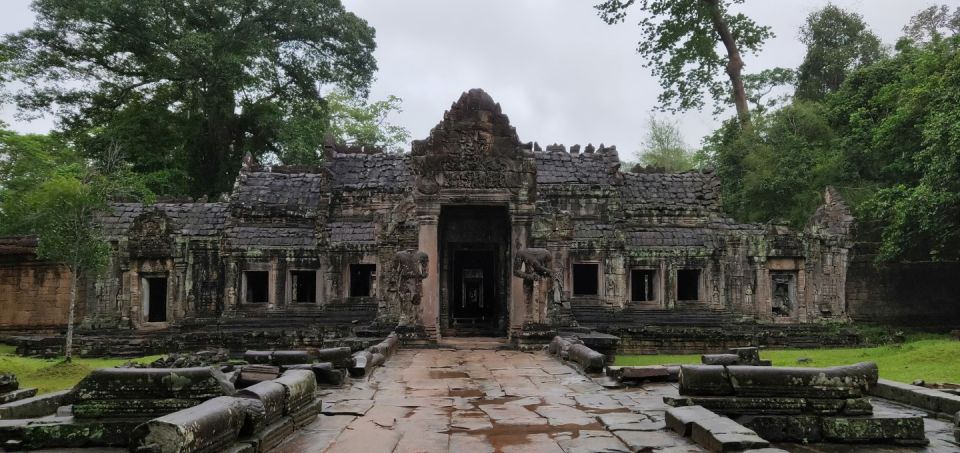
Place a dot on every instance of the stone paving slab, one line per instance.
(491, 400)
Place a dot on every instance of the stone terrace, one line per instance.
(492, 400)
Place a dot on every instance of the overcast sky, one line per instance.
(558, 71)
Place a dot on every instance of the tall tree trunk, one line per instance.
(68, 348)
(734, 61)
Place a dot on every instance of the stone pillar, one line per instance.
(430, 301)
(519, 311)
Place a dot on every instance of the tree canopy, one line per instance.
(838, 42)
(680, 41)
(663, 147)
(185, 88)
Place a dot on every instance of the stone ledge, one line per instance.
(942, 404)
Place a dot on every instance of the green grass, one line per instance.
(931, 358)
(50, 375)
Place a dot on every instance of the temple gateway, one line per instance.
(472, 232)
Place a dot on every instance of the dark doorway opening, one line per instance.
(474, 300)
(157, 302)
(688, 284)
(474, 250)
(642, 283)
(361, 279)
(257, 287)
(303, 287)
(586, 279)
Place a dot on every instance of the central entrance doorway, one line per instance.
(474, 260)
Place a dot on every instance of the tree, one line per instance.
(663, 147)
(837, 42)
(47, 190)
(899, 119)
(349, 119)
(187, 87)
(680, 40)
(933, 23)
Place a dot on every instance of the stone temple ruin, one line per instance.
(472, 232)
(301, 285)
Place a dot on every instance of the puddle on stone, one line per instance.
(446, 374)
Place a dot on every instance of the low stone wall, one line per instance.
(34, 296)
(697, 340)
(921, 295)
(137, 344)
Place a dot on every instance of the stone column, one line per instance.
(430, 301)
(519, 313)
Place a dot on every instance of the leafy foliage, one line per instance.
(887, 138)
(184, 88)
(681, 41)
(663, 147)
(932, 24)
(837, 42)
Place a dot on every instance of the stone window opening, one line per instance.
(154, 290)
(303, 287)
(256, 287)
(688, 284)
(362, 279)
(643, 285)
(586, 279)
(783, 289)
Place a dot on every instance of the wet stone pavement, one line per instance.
(484, 400)
(445, 400)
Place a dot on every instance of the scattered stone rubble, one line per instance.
(797, 404)
(224, 407)
(10, 390)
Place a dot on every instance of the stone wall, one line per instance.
(920, 294)
(33, 296)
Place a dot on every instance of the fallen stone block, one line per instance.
(290, 357)
(736, 405)
(921, 397)
(269, 436)
(340, 357)
(305, 415)
(377, 359)
(36, 406)
(65, 432)
(720, 359)
(680, 419)
(324, 372)
(253, 374)
(258, 357)
(213, 425)
(8, 382)
(362, 364)
(851, 381)
(588, 359)
(133, 383)
(301, 389)
(901, 430)
(146, 392)
(17, 395)
(386, 347)
(705, 380)
(722, 434)
(560, 346)
(273, 395)
(640, 373)
(747, 355)
(784, 428)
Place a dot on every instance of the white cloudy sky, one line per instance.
(559, 72)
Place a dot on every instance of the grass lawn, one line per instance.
(931, 358)
(50, 375)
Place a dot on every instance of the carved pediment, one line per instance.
(151, 236)
(473, 147)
